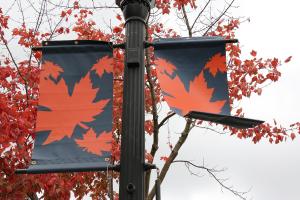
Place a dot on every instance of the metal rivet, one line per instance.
(46, 43)
(33, 162)
(130, 188)
(106, 159)
(75, 42)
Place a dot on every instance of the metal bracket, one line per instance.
(121, 46)
(148, 166)
(148, 44)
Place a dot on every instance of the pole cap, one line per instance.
(121, 3)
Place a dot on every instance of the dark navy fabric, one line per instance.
(190, 59)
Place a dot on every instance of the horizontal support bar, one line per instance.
(73, 47)
(70, 44)
(74, 42)
(121, 46)
(236, 122)
(41, 48)
(185, 42)
(37, 170)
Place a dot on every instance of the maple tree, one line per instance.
(19, 88)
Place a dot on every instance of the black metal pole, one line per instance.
(132, 167)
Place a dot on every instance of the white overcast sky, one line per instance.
(270, 171)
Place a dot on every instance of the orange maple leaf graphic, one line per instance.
(49, 68)
(104, 64)
(96, 145)
(197, 98)
(216, 63)
(66, 111)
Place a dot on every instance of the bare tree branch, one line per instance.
(173, 155)
(186, 20)
(84, 7)
(154, 147)
(211, 129)
(32, 196)
(200, 13)
(212, 172)
(166, 119)
(10, 7)
(218, 18)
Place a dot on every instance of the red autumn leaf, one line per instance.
(119, 17)
(104, 64)
(293, 135)
(288, 59)
(275, 62)
(149, 126)
(63, 14)
(198, 95)
(76, 5)
(96, 145)
(148, 157)
(117, 29)
(164, 158)
(253, 53)
(259, 91)
(239, 111)
(216, 63)
(66, 111)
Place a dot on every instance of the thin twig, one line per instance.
(166, 119)
(83, 7)
(220, 16)
(212, 172)
(186, 20)
(200, 13)
(188, 127)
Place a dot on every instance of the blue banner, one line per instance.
(192, 74)
(74, 118)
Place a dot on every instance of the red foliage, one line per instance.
(164, 158)
(28, 37)
(149, 127)
(165, 5)
(250, 76)
(3, 19)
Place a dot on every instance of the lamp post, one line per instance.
(132, 168)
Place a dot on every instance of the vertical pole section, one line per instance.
(132, 169)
